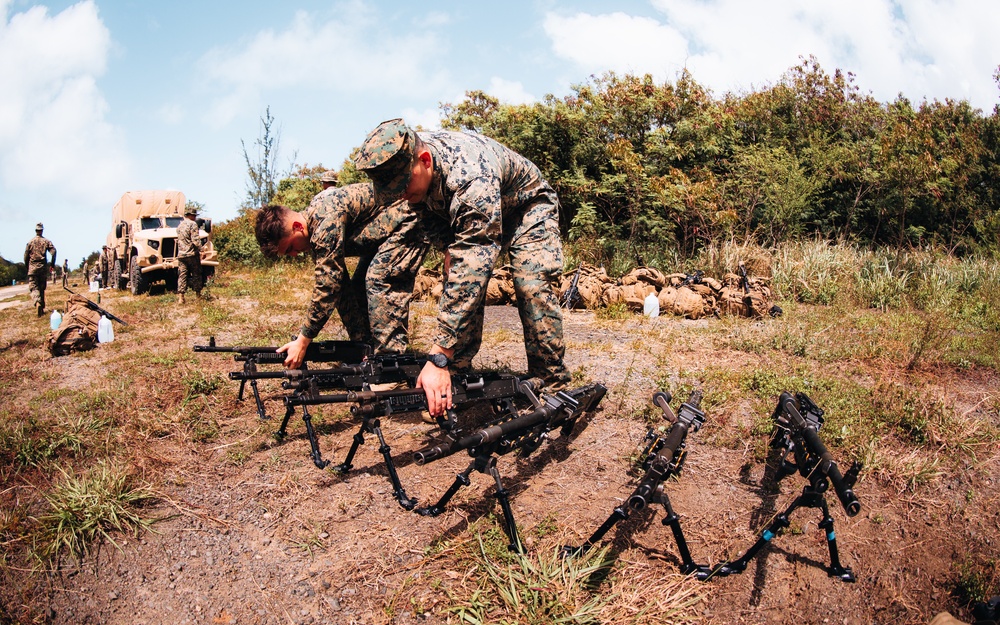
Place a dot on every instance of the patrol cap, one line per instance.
(328, 176)
(39, 227)
(386, 156)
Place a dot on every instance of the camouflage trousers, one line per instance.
(36, 286)
(536, 260)
(189, 273)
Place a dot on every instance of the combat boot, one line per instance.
(180, 298)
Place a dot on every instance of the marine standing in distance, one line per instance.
(65, 273)
(38, 267)
(188, 254)
(341, 222)
(476, 199)
(105, 265)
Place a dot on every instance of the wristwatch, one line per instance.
(440, 361)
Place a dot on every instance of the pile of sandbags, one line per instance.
(692, 296)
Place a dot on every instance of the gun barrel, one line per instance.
(579, 400)
(829, 468)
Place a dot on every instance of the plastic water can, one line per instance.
(651, 306)
(55, 320)
(105, 333)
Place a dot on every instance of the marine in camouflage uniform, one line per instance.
(483, 200)
(38, 267)
(188, 256)
(374, 304)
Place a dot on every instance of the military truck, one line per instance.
(142, 243)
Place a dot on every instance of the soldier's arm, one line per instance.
(330, 280)
(52, 249)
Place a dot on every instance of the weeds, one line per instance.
(89, 508)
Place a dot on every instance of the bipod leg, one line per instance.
(359, 440)
(261, 412)
(283, 429)
(843, 573)
(503, 496)
(462, 479)
(397, 488)
(239, 395)
(688, 566)
(316, 455)
(618, 514)
(779, 523)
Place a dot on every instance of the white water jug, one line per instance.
(105, 333)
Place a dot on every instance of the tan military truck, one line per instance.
(143, 241)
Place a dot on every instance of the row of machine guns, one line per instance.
(520, 419)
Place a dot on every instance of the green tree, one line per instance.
(262, 171)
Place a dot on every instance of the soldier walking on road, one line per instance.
(188, 254)
(38, 266)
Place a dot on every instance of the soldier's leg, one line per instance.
(41, 295)
(182, 276)
(389, 288)
(536, 258)
(194, 275)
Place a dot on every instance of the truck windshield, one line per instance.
(173, 222)
(149, 223)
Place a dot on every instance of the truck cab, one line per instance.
(143, 240)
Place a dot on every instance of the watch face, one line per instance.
(439, 360)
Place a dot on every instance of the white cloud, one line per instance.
(933, 49)
(54, 133)
(355, 54)
(509, 92)
(618, 42)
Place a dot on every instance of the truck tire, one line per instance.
(136, 281)
(116, 275)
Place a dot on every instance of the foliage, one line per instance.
(298, 189)
(12, 271)
(235, 241)
(668, 164)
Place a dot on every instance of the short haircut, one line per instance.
(270, 228)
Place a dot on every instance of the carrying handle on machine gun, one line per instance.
(809, 431)
(91, 305)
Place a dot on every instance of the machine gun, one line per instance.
(91, 305)
(572, 294)
(797, 421)
(523, 433)
(499, 390)
(774, 311)
(662, 458)
(251, 357)
(692, 278)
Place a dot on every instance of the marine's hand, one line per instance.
(436, 382)
(295, 352)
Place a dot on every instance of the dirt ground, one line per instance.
(266, 537)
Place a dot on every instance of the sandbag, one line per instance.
(425, 282)
(689, 304)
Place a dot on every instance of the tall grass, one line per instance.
(88, 508)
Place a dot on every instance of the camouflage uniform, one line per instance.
(38, 268)
(188, 256)
(105, 266)
(374, 305)
(65, 273)
(485, 200)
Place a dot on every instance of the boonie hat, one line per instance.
(190, 210)
(328, 176)
(386, 156)
(39, 226)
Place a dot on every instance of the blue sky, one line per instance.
(100, 97)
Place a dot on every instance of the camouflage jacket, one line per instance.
(34, 253)
(345, 221)
(188, 239)
(478, 195)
